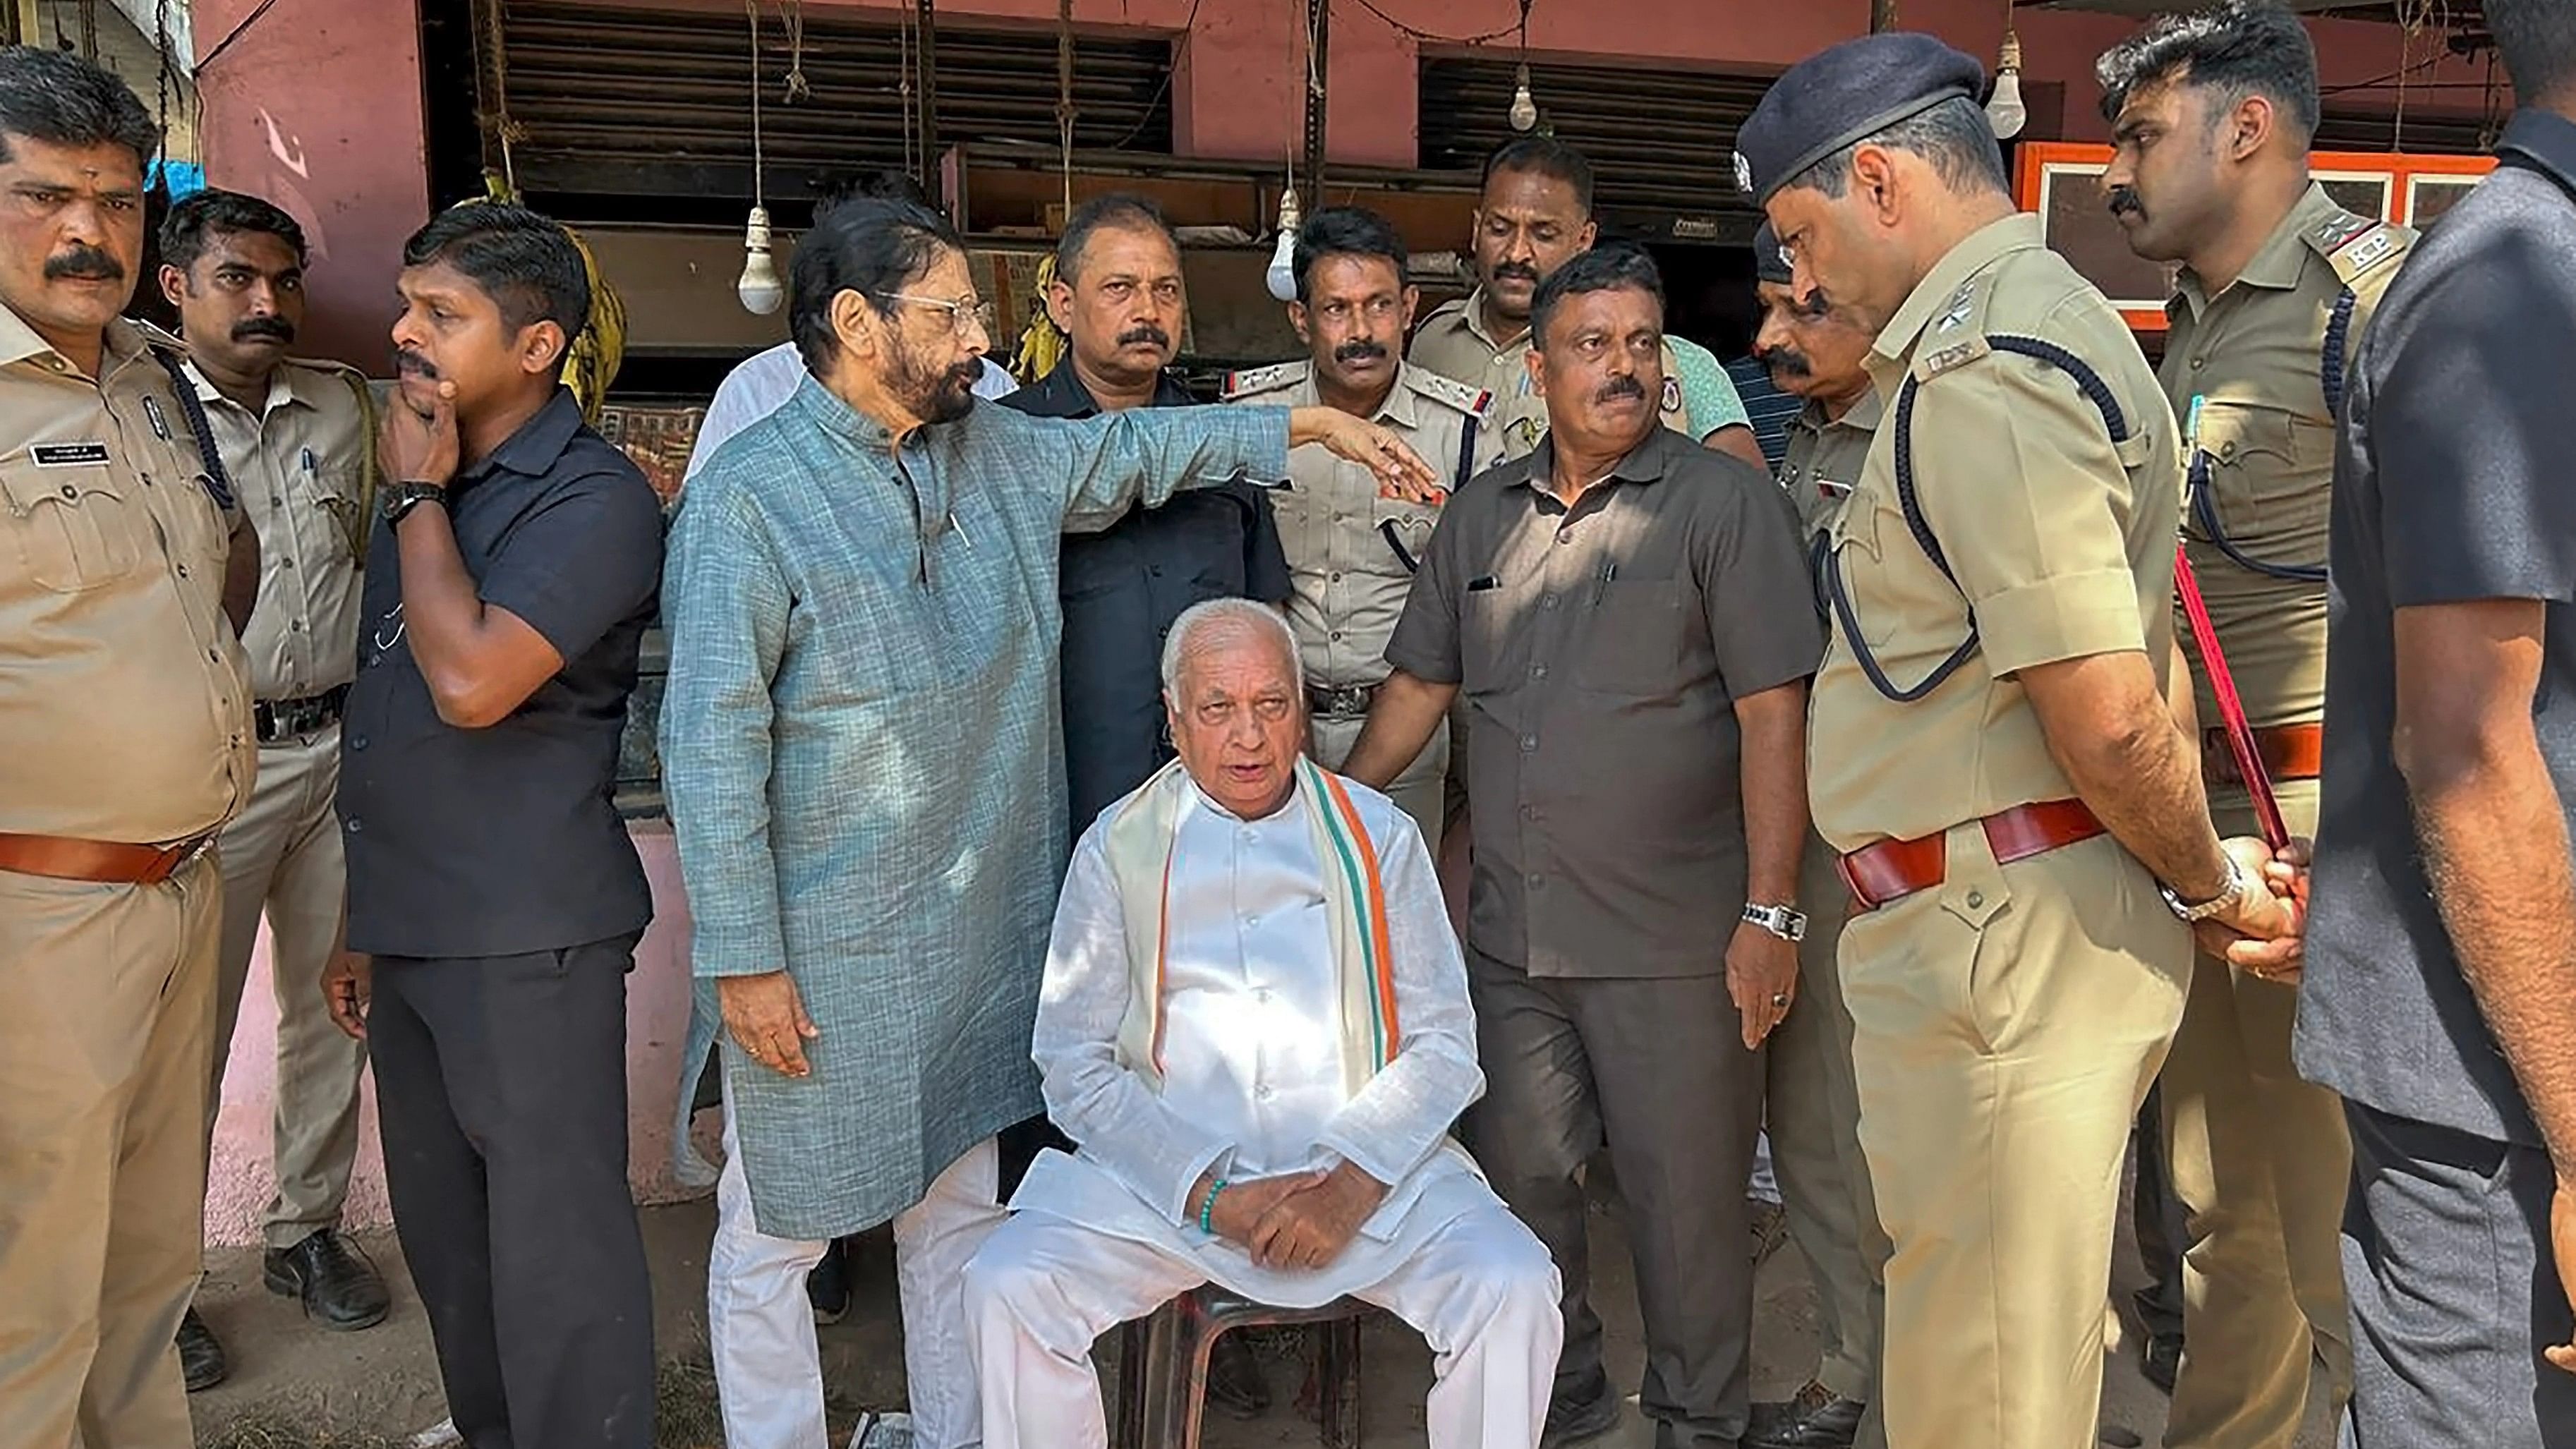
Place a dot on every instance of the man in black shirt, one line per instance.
(507, 592)
(2440, 995)
(1118, 295)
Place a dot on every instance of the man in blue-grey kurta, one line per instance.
(860, 744)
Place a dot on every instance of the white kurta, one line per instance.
(1252, 1070)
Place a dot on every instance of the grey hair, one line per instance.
(1209, 612)
(1954, 136)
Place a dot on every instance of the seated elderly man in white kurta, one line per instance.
(1255, 1024)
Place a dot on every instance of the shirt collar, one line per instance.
(122, 342)
(1060, 394)
(1862, 416)
(1296, 787)
(2545, 139)
(533, 450)
(1645, 463)
(825, 407)
(282, 389)
(1399, 405)
(2279, 262)
(1981, 249)
(1472, 312)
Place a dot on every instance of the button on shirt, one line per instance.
(2452, 486)
(1123, 586)
(299, 466)
(1351, 553)
(499, 841)
(1601, 649)
(2246, 373)
(124, 707)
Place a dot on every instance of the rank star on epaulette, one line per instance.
(1962, 302)
(2337, 230)
(1947, 358)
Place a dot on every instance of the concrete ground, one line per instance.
(295, 1386)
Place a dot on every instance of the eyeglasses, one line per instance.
(959, 309)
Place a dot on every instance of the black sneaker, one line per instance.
(2162, 1360)
(201, 1358)
(340, 1288)
(828, 1286)
(1817, 1418)
(1585, 1414)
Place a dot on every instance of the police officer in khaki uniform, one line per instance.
(1352, 554)
(1994, 749)
(1533, 213)
(2212, 113)
(1815, 352)
(298, 444)
(125, 721)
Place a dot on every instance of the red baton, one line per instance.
(2231, 706)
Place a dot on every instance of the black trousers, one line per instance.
(2454, 1291)
(501, 1087)
(2156, 1215)
(1655, 1070)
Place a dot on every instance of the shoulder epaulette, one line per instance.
(1254, 381)
(331, 365)
(2353, 244)
(1449, 391)
(153, 336)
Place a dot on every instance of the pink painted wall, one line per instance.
(317, 107)
(657, 1022)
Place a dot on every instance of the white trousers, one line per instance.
(1482, 1292)
(760, 1326)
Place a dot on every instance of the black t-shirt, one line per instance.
(502, 841)
(1122, 589)
(2456, 481)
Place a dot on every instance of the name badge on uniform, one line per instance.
(69, 455)
(160, 420)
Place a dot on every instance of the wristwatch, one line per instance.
(402, 498)
(1786, 922)
(2238, 886)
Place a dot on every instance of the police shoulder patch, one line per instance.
(154, 337)
(1253, 382)
(2358, 247)
(1939, 356)
(1449, 391)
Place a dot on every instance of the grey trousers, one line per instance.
(2454, 1291)
(1655, 1070)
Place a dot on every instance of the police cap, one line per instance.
(1770, 264)
(1844, 94)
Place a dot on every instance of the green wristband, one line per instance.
(1207, 1208)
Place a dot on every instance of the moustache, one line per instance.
(1147, 333)
(1619, 387)
(408, 363)
(1362, 350)
(84, 262)
(1786, 359)
(1522, 271)
(965, 374)
(275, 328)
(2124, 199)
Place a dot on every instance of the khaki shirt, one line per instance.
(1821, 465)
(300, 466)
(1352, 555)
(2062, 541)
(2246, 372)
(124, 712)
(1601, 649)
(1453, 343)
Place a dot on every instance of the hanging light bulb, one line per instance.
(2004, 109)
(1524, 112)
(1282, 276)
(758, 289)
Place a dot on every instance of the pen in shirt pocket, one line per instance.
(1488, 581)
(1601, 583)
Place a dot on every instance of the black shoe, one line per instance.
(1236, 1386)
(201, 1358)
(828, 1286)
(1818, 1418)
(340, 1288)
(2162, 1361)
(1586, 1414)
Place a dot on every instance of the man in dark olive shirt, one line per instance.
(489, 877)
(1118, 296)
(2440, 994)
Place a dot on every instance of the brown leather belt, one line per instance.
(2288, 752)
(103, 861)
(1894, 869)
(1347, 702)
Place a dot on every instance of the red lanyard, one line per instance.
(2231, 707)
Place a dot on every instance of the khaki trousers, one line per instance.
(1418, 792)
(107, 1016)
(1813, 1110)
(2262, 1163)
(2006, 1026)
(282, 856)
